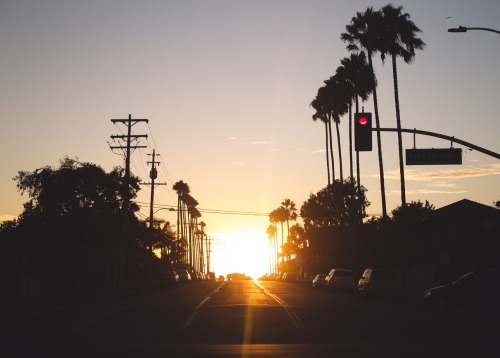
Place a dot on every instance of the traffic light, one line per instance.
(363, 132)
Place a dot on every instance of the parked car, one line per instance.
(319, 280)
(380, 282)
(478, 289)
(290, 277)
(340, 279)
(169, 278)
(184, 276)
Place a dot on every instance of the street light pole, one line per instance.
(464, 29)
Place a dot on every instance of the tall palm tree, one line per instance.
(319, 105)
(339, 95)
(273, 219)
(355, 71)
(191, 213)
(399, 39)
(291, 213)
(364, 32)
(281, 215)
(271, 234)
(181, 188)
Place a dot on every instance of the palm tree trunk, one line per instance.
(340, 152)
(400, 141)
(331, 146)
(327, 160)
(351, 174)
(379, 141)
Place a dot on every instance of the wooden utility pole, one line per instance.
(153, 174)
(126, 190)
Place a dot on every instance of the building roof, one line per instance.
(467, 209)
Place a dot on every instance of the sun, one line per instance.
(242, 251)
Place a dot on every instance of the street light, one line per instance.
(464, 29)
(169, 209)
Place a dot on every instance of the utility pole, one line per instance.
(153, 174)
(126, 190)
(209, 242)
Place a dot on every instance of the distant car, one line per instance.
(380, 282)
(184, 276)
(340, 279)
(169, 278)
(290, 277)
(478, 289)
(319, 280)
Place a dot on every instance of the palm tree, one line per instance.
(181, 188)
(282, 215)
(192, 213)
(271, 234)
(318, 104)
(291, 213)
(399, 39)
(273, 219)
(339, 97)
(355, 71)
(364, 31)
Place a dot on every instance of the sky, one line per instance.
(226, 87)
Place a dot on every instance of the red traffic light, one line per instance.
(363, 121)
(363, 132)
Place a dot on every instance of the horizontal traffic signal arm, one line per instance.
(442, 136)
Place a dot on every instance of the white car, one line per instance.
(340, 279)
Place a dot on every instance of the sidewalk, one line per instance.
(59, 300)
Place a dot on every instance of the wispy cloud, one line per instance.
(444, 184)
(428, 175)
(252, 141)
(435, 191)
(317, 151)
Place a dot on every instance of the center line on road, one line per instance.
(195, 312)
(293, 317)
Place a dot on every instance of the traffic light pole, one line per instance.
(442, 136)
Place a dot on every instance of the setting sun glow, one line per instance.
(243, 252)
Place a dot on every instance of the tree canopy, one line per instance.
(337, 205)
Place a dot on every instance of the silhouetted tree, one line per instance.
(399, 39)
(340, 205)
(415, 213)
(364, 32)
(69, 231)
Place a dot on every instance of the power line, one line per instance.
(210, 211)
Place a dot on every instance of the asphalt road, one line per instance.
(246, 319)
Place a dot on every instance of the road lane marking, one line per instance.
(195, 311)
(102, 317)
(291, 315)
